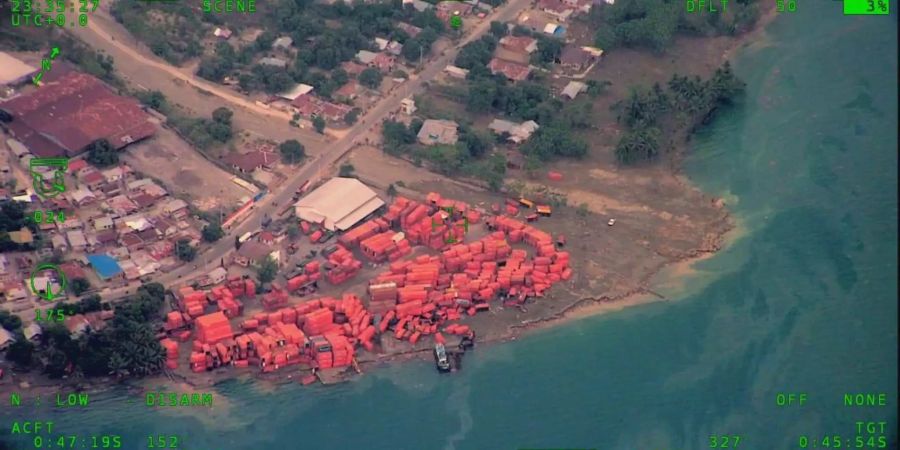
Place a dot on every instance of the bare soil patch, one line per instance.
(184, 171)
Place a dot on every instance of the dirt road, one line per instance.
(196, 96)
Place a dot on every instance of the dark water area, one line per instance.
(803, 301)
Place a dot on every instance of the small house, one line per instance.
(434, 132)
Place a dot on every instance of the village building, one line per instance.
(338, 204)
(82, 196)
(353, 68)
(254, 253)
(434, 132)
(456, 72)
(575, 58)
(6, 339)
(248, 162)
(283, 43)
(222, 33)
(518, 132)
(408, 105)
(516, 48)
(76, 239)
(174, 206)
(573, 89)
(410, 30)
(511, 70)
(32, 332)
(556, 8)
(348, 91)
(383, 62)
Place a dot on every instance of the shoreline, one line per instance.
(583, 307)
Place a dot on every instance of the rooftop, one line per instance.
(65, 116)
(248, 162)
(513, 71)
(105, 265)
(519, 43)
(438, 132)
(13, 70)
(338, 204)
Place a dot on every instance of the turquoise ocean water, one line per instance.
(804, 301)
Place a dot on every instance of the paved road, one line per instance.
(314, 170)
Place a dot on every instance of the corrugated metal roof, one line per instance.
(338, 202)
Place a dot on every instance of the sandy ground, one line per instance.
(184, 171)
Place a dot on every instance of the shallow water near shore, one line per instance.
(803, 301)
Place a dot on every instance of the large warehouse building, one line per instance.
(69, 112)
(338, 204)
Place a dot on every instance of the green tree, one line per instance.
(79, 285)
(102, 154)
(9, 321)
(222, 115)
(319, 124)
(548, 50)
(370, 78)
(267, 270)
(292, 230)
(292, 151)
(498, 29)
(351, 117)
(20, 352)
(184, 250)
(639, 145)
(212, 232)
(346, 170)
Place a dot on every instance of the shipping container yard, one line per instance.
(430, 268)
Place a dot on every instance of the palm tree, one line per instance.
(118, 367)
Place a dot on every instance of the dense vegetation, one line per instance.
(685, 104)
(467, 156)
(126, 346)
(102, 154)
(324, 36)
(292, 151)
(173, 31)
(203, 133)
(653, 23)
(13, 217)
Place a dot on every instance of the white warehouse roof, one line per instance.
(338, 204)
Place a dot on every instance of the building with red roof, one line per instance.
(64, 116)
(511, 70)
(248, 162)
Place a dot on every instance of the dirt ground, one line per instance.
(184, 171)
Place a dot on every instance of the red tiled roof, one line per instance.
(348, 89)
(93, 177)
(511, 70)
(352, 68)
(72, 270)
(74, 111)
(383, 61)
(249, 162)
(143, 200)
(574, 56)
(76, 165)
(309, 105)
